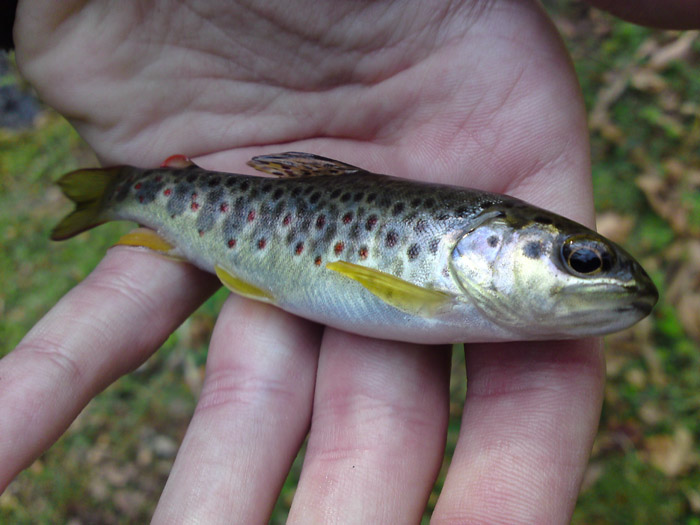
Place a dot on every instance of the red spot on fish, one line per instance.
(137, 186)
(347, 218)
(194, 206)
(287, 219)
(371, 222)
(317, 260)
(251, 215)
(167, 192)
(223, 208)
(299, 248)
(364, 252)
(339, 247)
(261, 243)
(231, 243)
(321, 221)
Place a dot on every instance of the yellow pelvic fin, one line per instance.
(400, 294)
(147, 238)
(295, 164)
(241, 287)
(86, 188)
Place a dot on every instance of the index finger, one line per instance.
(528, 425)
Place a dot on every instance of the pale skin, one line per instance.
(476, 94)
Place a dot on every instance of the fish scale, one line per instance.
(370, 253)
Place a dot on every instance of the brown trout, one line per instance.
(373, 254)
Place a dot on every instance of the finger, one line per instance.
(251, 418)
(378, 432)
(527, 429)
(106, 326)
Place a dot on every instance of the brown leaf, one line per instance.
(614, 226)
(672, 455)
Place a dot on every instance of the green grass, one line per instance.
(111, 465)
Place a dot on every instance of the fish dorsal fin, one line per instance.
(241, 287)
(405, 296)
(177, 162)
(295, 164)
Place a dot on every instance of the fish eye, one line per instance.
(586, 256)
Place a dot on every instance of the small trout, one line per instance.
(373, 254)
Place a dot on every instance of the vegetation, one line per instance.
(642, 89)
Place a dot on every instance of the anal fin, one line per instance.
(296, 164)
(405, 296)
(241, 287)
(147, 238)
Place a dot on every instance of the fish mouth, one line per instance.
(636, 296)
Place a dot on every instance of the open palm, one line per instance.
(474, 93)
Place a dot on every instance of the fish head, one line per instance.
(542, 276)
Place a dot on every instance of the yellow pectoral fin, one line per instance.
(241, 287)
(398, 293)
(148, 239)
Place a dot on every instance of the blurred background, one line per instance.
(642, 91)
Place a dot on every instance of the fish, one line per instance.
(372, 254)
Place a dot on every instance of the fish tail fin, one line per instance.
(86, 188)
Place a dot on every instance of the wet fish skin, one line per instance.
(282, 237)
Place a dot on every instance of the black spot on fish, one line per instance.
(421, 226)
(413, 252)
(330, 233)
(245, 185)
(429, 203)
(191, 178)
(492, 241)
(296, 191)
(443, 216)
(345, 197)
(266, 187)
(391, 239)
(308, 190)
(398, 208)
(462, 211)
(314, 198)
(358, 196)
(335, 194)
(486, 204)
(433, 245)
(543, 220)
(230, 182)
(278, 193)
(214, 182)
(415, 203)
(533, 250)
(371, 198)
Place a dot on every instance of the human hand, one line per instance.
(478, 94)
